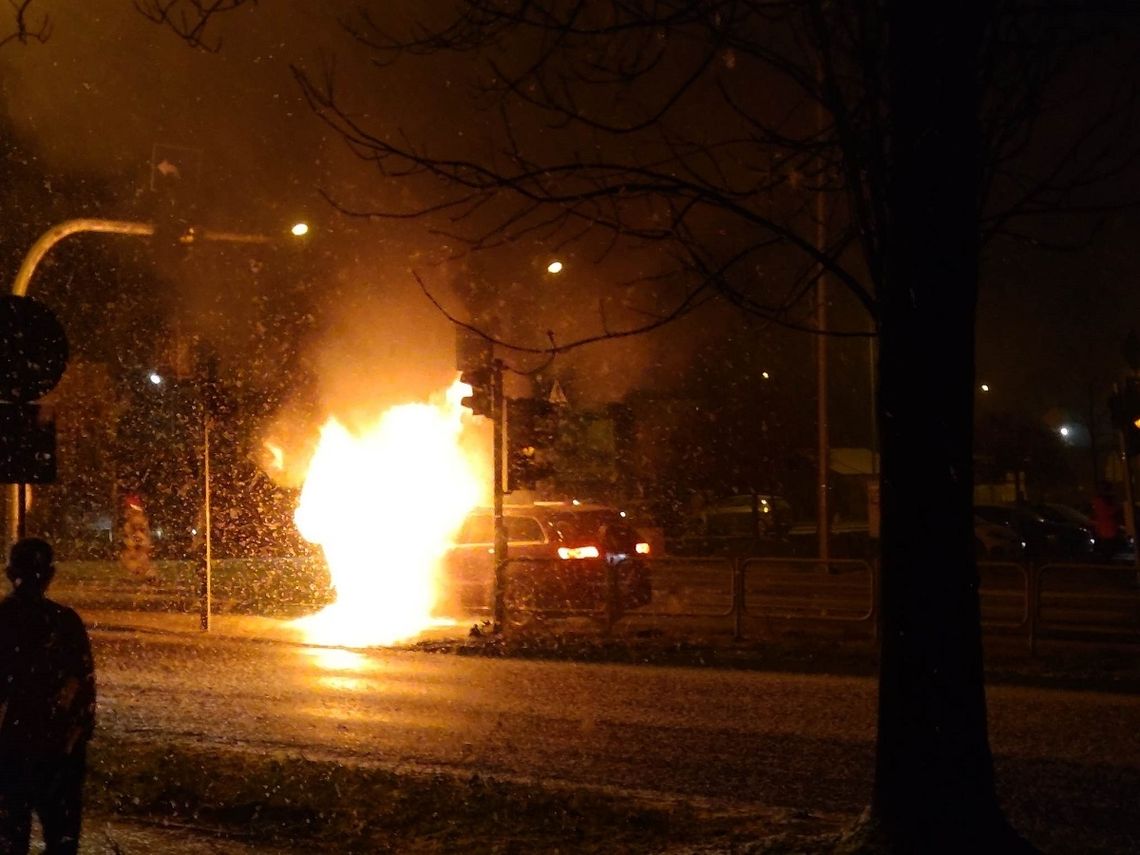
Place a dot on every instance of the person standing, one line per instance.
(47, 707)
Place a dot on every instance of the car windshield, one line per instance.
(1062, 514)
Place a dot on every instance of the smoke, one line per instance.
(109, 86)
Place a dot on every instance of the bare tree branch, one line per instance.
(190, 19)
(25, 29)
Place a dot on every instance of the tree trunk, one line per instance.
(934, 787)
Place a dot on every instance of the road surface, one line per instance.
(1067, 760)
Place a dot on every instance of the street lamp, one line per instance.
(554, 267)
(155, 378)
(43, 244)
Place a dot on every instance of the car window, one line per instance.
(584, 525)
(523, 530)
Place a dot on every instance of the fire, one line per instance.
(276, 455)
(384, 503)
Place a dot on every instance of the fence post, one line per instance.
(876, 612)
(737, 599)
(612, 606)
(1033, 602)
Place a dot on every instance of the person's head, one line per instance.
(31, 565)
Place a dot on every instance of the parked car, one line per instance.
(1121, 548)
(559, 553)
(1046, 537)
(747, 516)
(995, 542)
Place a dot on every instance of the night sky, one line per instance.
(92, 102)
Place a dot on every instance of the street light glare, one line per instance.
(1065, 430)
(985, 387)
(300, 229)
(155, 378)
(554, 267)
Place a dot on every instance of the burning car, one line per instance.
(559, 558)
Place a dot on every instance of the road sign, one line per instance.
(33, 349)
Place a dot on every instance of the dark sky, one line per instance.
(109, 85)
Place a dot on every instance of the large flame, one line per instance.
(384, 504)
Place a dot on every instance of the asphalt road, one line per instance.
(1068, 761)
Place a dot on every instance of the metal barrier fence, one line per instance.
(747, 596)
(1084, 602)
(1089, 602)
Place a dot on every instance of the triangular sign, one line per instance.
(557, 396)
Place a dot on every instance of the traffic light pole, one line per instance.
(498, 415)
(205, 578)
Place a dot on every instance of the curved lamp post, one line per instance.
(44, 244)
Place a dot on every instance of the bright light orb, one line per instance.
(1065, 431)
(985, 387)
(300, 229)
(155, 378)
(554, 267)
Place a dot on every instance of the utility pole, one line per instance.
(498, 416)
(823, 472)
(205, 578)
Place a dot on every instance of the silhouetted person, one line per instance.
(47, 707)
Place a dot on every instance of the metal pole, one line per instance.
(206, 581)
(824, 441)
(874, 406)
(823, 526)
(21, 511)
(498, 412)
(1129, 509)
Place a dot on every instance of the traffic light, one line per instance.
(1124, 405)
(532, 429)
(479, 401)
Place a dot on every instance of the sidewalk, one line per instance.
(107, 836)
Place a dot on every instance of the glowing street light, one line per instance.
(299, 229)
(1065, 431)
(554, 267)
(985, 387)
(155, 378)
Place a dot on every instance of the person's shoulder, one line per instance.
(64, 614)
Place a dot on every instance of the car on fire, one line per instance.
(559, 554)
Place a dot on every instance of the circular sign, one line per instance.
(33, 349)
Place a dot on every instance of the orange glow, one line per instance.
(642, 548)
(277, 456)
(384, 503)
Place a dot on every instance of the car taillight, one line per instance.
(569, 552)
(642, 549)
